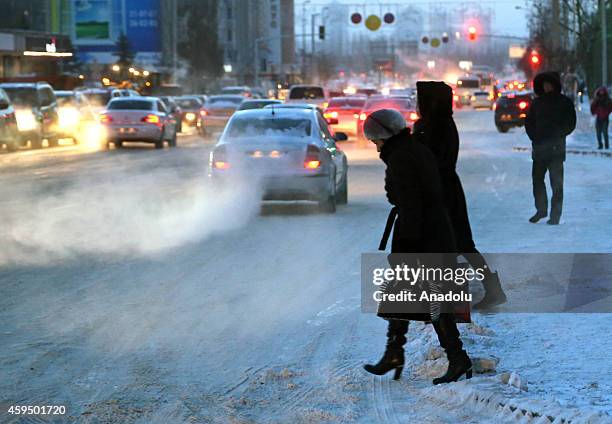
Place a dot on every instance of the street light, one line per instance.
(146, 73)
(131, 70)
(116, 68)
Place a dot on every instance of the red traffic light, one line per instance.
(472, 33)
(534, 59)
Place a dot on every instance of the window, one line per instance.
(161, 107)
(229, 35)
(254, 127)
(312, 92)
(327, 135)
(130, 105)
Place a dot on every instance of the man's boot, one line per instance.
(393, 358)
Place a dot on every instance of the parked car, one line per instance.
(291, 152)
(511, 109)
(248, 104)
(36, 112)
(9, 133)
(217, 111)
(174, 110)
(190, 108)
(144, 119)
(401, 103)
(342, 113)
(313, 94)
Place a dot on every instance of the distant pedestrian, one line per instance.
(601, 107)
(550, 119)
(420, 226)
(437, 130)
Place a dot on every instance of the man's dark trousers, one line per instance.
(555, 174)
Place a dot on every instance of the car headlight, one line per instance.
(190, 116)
(69, 117)
(26, 121)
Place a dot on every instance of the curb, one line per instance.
(602, 153)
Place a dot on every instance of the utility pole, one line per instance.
(604, 44)
(312, 43)
(555, 33)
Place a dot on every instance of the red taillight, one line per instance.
(203, 112)
(523, 105)
(105, 119)
(363, 116)
(151, 119)
(219, 164)
(312, 160)
(219, 158)
(312, 164)
(413, 116)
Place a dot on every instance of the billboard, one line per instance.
(142, 25)
(92, 20)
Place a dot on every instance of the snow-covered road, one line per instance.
(132, 292)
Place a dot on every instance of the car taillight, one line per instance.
(203, 112)
(218, 158)
(151, 119)
(363, 116)
(105, 119)
(494, 106)
(413, 116)
(332, 115)
(523, 105)
(356, 115)
(312, 160)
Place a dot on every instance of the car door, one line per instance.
(169, 124)
(330, 144)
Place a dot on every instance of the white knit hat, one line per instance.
(383, 124)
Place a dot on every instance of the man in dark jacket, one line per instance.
(550, 119)
(420, 225)
(437, 130)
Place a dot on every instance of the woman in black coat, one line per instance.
(436, 129)
(420, 225)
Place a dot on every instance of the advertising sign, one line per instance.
(92, 20)
(142, 25)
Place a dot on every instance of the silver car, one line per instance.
(142, 119)
(291, 152)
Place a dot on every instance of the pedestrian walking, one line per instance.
(550, 119)
(601, 107)
(420, 225)
(437, 130)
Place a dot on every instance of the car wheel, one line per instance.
(52, 142)
(328, 203)
(36, 142)
(118, 144)
(502, 128)
(342, 196)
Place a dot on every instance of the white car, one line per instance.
(143, 119)
(312, 94)
(482, 99)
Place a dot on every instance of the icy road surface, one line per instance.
(133, 292)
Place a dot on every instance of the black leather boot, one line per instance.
(494, 294)
(393, 358)
(537, 217)
(459, 363)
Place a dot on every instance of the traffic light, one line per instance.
(321, 32)
(534, 59)
(472, 33)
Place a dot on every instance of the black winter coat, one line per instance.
(551, 118)
(436, 129)
(422, 225)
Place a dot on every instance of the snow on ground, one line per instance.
(261, 323)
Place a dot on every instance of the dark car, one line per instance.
(190, 108)
(174, 110)
(342, 113)
(36, 112)
(511, 110)
(9, 134)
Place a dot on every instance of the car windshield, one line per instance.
(306, 93)
(400, 104)
(98, 99)
(188, 103)
(468, 83)
(22, 96)
(254, 127)
(130, 105)
(356, 103)
(224, 101)
(233, 90)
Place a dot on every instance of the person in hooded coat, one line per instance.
(436, 129)
(550, 118)
(601, 108)
(420, 225)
